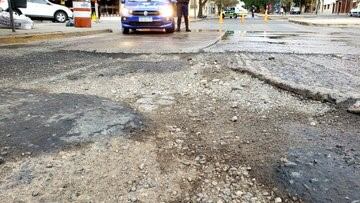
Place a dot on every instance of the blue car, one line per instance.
(147, 14)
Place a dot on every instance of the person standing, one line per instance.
(182, 10)
(252, 11)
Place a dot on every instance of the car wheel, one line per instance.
(60, 16)
(126, 30)
(235, 16)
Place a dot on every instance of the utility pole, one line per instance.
(12, 24)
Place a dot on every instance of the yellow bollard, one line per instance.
(266, 16)
(242, 18)
(93, 17)
(221, 19)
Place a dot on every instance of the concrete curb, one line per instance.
(285, 17)
(26, 38)
(323, 24)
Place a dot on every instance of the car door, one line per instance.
(38, 8)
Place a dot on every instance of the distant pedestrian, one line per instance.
(252, 11)
(282, 10)
(182, 10)
(99, 8)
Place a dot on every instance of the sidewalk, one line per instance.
(333, 22)
(50, 30)
(287, 16)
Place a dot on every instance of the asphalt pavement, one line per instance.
(231, 112)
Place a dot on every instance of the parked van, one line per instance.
(295, 10)
(234, 12)
(147, 14)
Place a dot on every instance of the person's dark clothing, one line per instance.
(182, 9)
(183, 2)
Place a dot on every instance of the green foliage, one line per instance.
(257, 3)
(226, 3)
(286, 3)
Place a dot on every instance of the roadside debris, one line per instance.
(234, 119)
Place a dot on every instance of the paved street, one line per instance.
(233, 112)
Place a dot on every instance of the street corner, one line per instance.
(34, 122)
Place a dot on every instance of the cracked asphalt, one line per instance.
(252, 112)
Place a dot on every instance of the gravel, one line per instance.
(193, 148)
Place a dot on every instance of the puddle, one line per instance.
(227, 35)
(263, 34)
(276, 42)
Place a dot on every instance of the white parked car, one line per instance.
(42, 9)
(355, 11)
(295, 10)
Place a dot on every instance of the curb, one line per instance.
(285, 17)
(26, 38)
(321, 24)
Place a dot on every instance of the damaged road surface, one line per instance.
(33, 122)
(208, 123)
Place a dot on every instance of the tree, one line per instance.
(226, 3)
(286, 4)
(256, 3)
(201, 6)
(219, 3)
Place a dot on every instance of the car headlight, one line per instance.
(126, 12)
(166, 11)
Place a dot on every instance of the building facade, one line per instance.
(328, 7)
